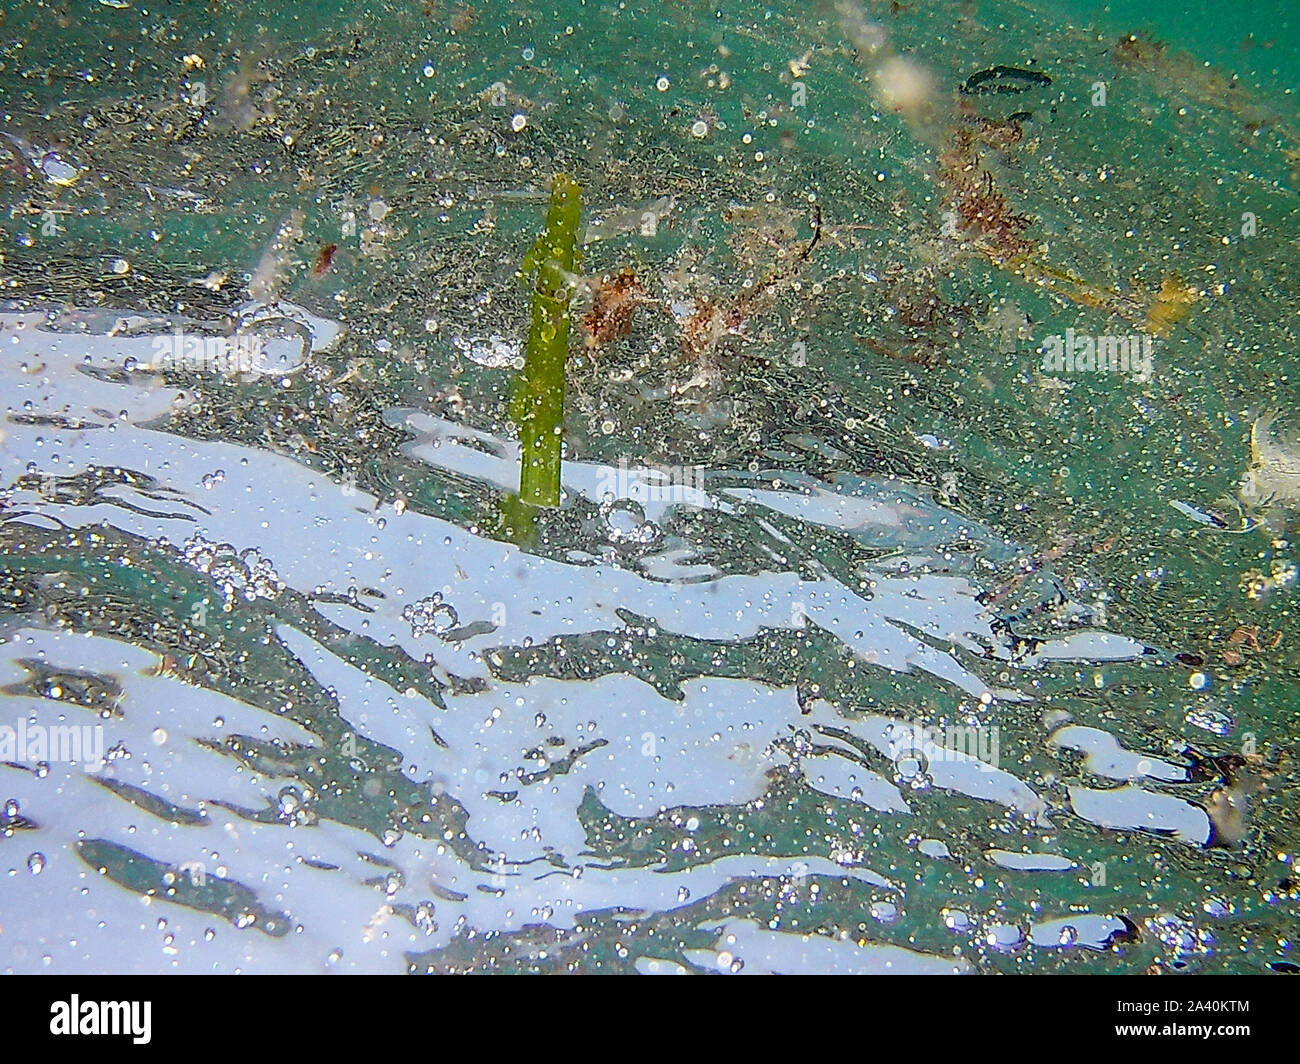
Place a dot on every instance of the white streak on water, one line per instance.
(1135, 808)
(1106, 757)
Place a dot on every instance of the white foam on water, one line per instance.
(644, 752)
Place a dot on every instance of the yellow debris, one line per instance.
(1173, 303)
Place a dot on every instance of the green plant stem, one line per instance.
(537, 404)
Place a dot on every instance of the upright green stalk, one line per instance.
(537, 405)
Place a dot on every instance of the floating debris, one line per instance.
(47, 163)
(1258, 585)
(272, 269)
(905, 87)
(495, 352)
(324, 260)
(1172, 304)
(1202, 517)
(644, 220)
(1230, 807)
(1271, 486)
(613, 303)
(1004, 79)
(980, 208)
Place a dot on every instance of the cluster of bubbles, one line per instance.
(1210, 719)
(625, 523)
(431, 615)
(1180, 937)
(495, 352)
(11, 818)
(238, 574)
(293, 808)
(911, 767)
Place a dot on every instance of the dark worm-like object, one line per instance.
(1003, 79)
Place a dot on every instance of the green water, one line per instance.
(420, 139)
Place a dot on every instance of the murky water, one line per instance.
(867, 637)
